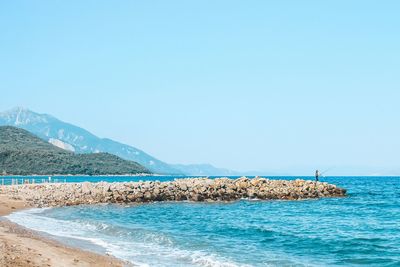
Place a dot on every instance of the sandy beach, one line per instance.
(22, 247)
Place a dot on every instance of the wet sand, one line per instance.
(22, 247)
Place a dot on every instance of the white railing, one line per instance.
(39, 180)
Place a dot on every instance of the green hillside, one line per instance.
(22, 153)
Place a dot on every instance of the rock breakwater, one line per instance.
(189, 189)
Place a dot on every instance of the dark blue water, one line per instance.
(361, 229)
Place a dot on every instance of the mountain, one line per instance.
(204, 169)
(76, 139)
(22, 153)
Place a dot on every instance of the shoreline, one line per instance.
(23, 247)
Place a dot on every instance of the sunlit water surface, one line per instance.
(361, 229)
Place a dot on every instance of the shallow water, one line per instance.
(361, 229)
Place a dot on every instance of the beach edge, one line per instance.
(23, 247)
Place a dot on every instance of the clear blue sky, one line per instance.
(247, 85)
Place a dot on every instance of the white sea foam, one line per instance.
(143, 249)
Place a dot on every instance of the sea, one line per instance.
(362, 229)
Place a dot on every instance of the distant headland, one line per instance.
(22, 153)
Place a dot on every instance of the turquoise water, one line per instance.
(361, 229)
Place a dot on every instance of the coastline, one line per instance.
(21, 247)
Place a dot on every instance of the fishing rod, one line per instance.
(322, 173)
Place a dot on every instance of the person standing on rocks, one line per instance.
(317, 175)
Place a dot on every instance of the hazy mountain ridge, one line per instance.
(204, 169)
(51, 129)
(22, 153)
(76, 139)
